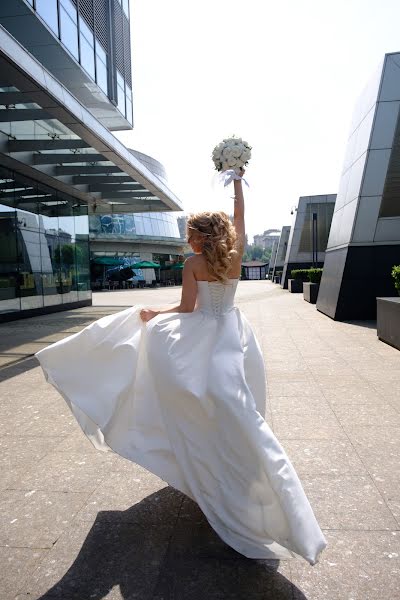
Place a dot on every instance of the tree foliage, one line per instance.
(254, 252)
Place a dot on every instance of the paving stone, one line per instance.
(125, 497)
(313, 406)
(36, 519)
(297, 389)
(65, 472)
(16, 567)
(323, 457)
(302, 426)
(231, 579)
(17, 454)
(76, 442)
(380, 414)
(347, 502)
(106, 559)
(355, 566)
(351, 396)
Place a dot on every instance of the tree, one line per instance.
(256, 252)
(67, 255)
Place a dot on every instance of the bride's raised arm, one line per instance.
(238, 214)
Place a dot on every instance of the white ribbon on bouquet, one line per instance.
(226, 177)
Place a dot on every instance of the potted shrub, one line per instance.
(396, 277)
(311, 287)
(388, 314)
(295, 284)
(277, 276)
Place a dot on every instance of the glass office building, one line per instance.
(364, 239)
(65, 84)
(81, 42)
(44, 246)
(308, 235)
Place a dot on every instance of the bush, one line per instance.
(301, 274)
(396, 277)
(314, 275)
(311, 275)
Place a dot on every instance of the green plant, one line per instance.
(396, 277)
(300, 274)
(314, 275)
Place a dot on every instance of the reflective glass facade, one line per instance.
(102, 51)
(44, 246)
(324, 212)
(140, 224)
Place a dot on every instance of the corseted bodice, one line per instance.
(216, 298)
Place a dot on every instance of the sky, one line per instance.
(284, 76)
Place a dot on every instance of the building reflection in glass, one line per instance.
(44, 246)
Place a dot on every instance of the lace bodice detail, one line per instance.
(216, 298)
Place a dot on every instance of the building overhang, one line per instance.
(48, 135)
(33, 33)
(134, 239)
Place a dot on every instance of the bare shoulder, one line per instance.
(191, 261)
(198, 264)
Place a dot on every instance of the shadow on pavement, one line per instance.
(16, 368)
(162, 548)
(21, 339)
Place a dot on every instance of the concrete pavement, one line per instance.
(79, 524)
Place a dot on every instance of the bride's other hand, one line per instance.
(146, 314)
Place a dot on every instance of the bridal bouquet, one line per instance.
(232, 153)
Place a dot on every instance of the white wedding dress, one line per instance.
(184, 396)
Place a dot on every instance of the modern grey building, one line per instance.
(364, 241)
(119, 238)
(308, 234)
(273, 257)
(65, 82)
(267, 239)
(281, 249)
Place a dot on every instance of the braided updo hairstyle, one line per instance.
(218, 237)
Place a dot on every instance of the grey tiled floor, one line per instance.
(79, 524)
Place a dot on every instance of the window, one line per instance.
(128, 99)
(101, 68)
(121, 93)
(147, 226)
(139, 224)
(125, 5)
(87, 48)
(47, 9)
(69, 28)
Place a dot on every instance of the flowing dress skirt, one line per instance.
(184, 397)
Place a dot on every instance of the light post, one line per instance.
(314, 225)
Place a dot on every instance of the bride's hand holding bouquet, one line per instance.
(230, 157)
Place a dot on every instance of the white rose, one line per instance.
(232, 162)
(245, 156)
(227, 151)
(236, 151)
(216, 155)
(225, 166)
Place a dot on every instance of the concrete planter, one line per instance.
(310, 292)
(295, 286)
(388, 321)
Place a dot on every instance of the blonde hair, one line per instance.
(218, 238)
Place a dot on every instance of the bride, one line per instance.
(181, 391)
